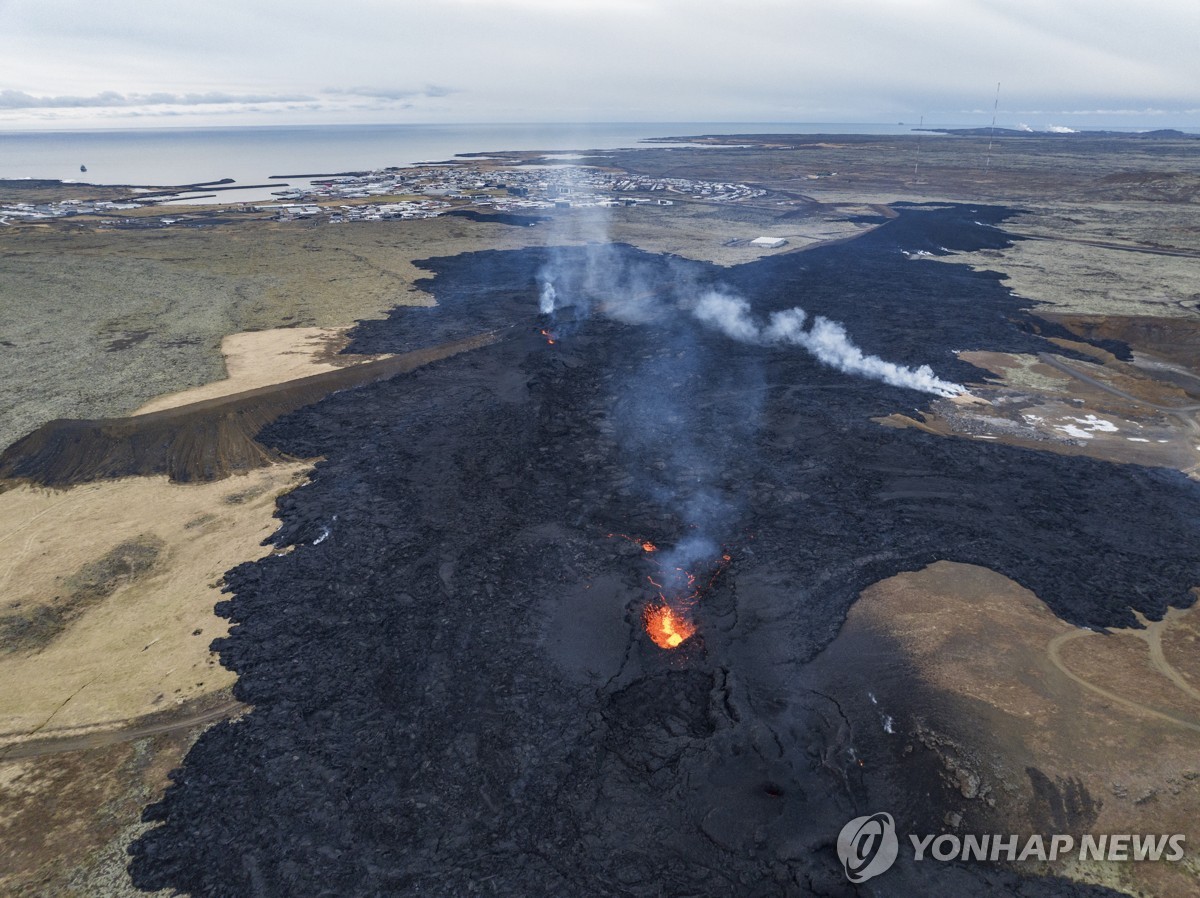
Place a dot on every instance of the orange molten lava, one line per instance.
(644, 544)
(666, 628)
(549, 336)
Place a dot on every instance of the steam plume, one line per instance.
(676, 448)
(547, 298)
(826, 340)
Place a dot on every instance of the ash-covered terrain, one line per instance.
(453, 690)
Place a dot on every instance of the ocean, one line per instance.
(251, 155)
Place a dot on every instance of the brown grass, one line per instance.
(204, 440)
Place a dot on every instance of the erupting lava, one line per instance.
(549, 336)
(645, 544)
(667, 619)
(665, 627)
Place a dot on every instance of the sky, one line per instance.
(162, 63)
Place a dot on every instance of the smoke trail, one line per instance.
(692, 553)
(580, 260)
(728, 314)
(826, 340)
(547, 298)
(676, 443)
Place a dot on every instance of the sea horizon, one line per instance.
(258, 155)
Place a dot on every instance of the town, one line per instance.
(433, 190)
(417, 192)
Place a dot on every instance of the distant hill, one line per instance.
(1161, 134)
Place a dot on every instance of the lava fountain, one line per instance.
(667, 618)
(666, 628)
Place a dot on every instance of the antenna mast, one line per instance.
(917, 161)
(992, 133)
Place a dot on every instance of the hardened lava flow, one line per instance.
(454, 691)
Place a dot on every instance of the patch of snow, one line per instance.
(1091, 422)
(1097, 424)
(1072, 431)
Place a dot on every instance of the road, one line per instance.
(1054, 650)
(1124, 247)
(56, 745)
(1184, 411)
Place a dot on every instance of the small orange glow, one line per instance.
(666, 628)
(549, 336)
(644, 544)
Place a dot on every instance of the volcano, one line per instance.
(454, 691)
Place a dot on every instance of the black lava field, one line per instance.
(452, 690)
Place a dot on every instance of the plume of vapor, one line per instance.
(692, 553)
(547, 297)
(826, 340)
(676, 450)
(728, 314)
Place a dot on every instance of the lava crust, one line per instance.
(452, 692)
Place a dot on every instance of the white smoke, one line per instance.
(826, 340)
(728, 314)
(547, 299)
(787, 326)
(581, 262)
(693, 553)
(829, 342)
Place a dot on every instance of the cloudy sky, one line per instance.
(129, 63)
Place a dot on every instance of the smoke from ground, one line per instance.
(826, 340)
(547, 298)
(678, 444)
(601, 279)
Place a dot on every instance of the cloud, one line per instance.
(391, 93)
(18, 99)
(608, 60)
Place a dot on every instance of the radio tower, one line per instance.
(992, 133)
(917, 161)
